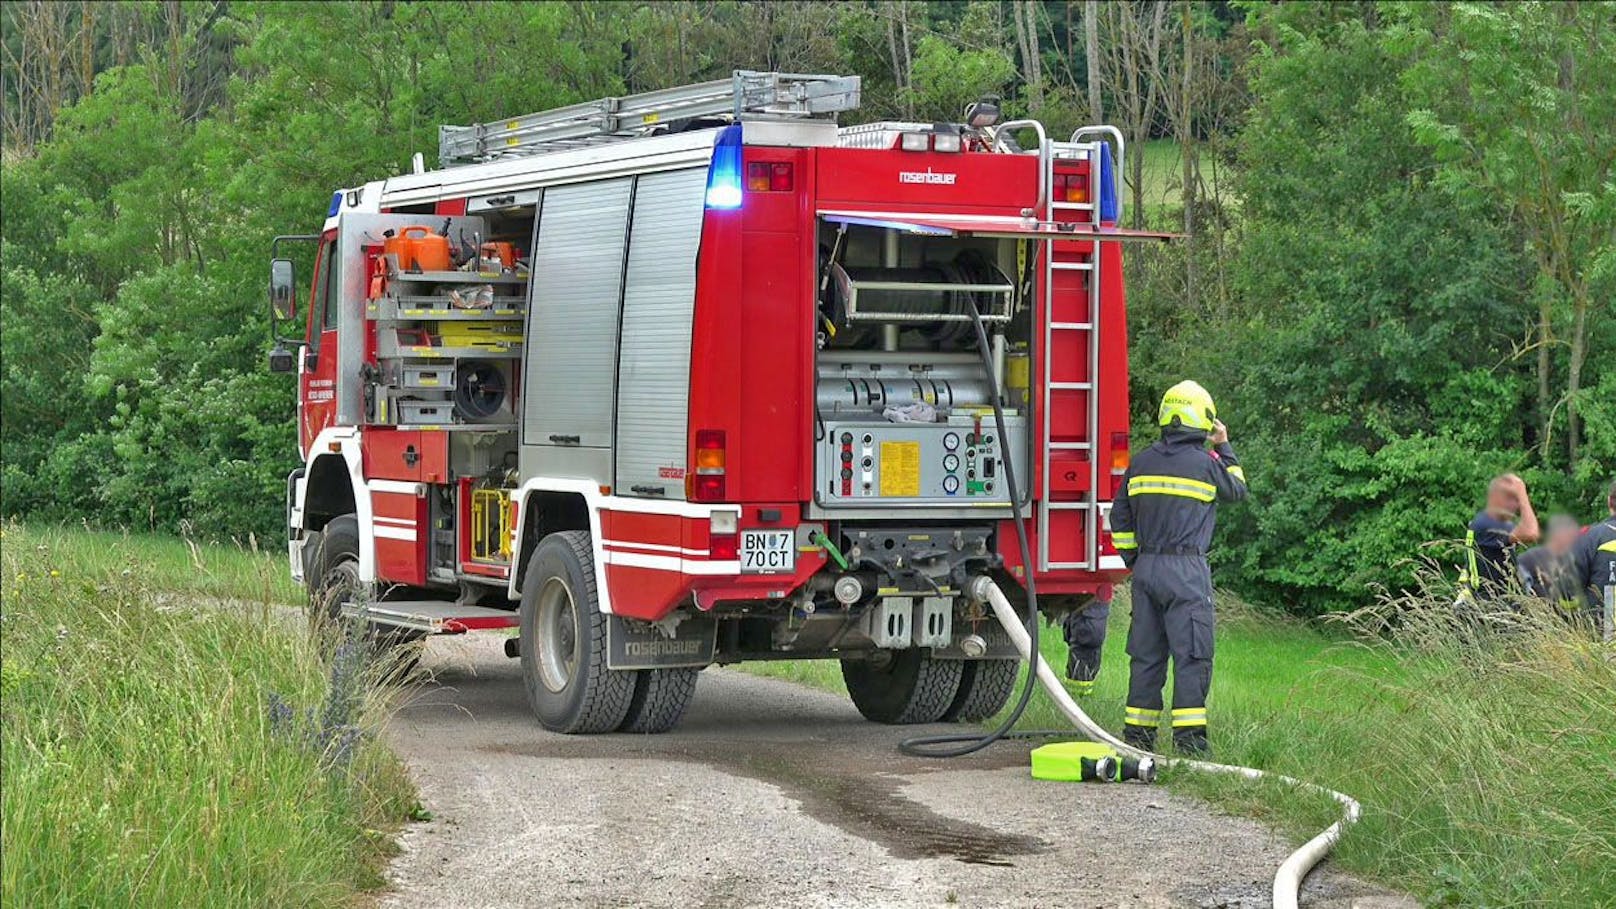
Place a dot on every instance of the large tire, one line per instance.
(660, 699)
(336, 574)
(336, 580)
(911, 687)
(564, 641)
(985, 687)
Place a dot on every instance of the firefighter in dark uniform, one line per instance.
(1593, 562)
(1084, 630)
(1161, 523)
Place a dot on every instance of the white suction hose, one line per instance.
(1288, 880)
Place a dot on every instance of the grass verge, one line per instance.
(158, 752)
(1487, 770)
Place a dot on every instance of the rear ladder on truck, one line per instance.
(1068, 527)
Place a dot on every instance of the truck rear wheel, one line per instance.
(985, 687)
(660, 699)
(563, 635)
(909, 687)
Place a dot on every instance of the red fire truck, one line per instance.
(697, 376)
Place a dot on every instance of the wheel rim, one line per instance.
(557, 626)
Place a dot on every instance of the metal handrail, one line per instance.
(1122, 145)
(1043, 154)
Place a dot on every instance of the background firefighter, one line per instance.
(1594, 566)
(1505, 523)
(1084, 630)
(1162, 524)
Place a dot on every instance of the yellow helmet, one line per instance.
(1190, 405)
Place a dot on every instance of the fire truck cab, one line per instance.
(697, 377)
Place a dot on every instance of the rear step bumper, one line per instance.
(431, 616)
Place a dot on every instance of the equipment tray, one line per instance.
(437, 309)
(456, 277)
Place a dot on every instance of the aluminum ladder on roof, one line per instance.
(747, 92)
(1089, 211)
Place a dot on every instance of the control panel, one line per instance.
(961, 462)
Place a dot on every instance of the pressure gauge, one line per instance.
(951, 442)
(951, 462)
(951, 484)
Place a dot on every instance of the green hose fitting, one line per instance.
(836, 554)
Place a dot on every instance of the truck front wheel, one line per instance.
(563, 646)
(336, 574)
(902, 686)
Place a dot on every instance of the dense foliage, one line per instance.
(1401, 278)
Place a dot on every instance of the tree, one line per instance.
(1134, 33)
(1518, 104)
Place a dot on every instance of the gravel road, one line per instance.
(771, 794)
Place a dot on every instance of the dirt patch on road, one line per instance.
(852, 792)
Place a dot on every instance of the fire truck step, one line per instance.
(431, 616)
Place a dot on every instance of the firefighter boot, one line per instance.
(1141, 737)
(1191, 741)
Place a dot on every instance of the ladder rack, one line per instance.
(769, 95)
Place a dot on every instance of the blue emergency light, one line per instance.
(1109, 208)
(724, 187)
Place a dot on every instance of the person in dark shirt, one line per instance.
(1507, 522)
(1593, 562)
(1547, 571)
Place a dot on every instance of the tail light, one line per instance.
(1119, 458)
(1071, 188)
(724, 547)
(723, 539)
(707, 480)
(770, 176)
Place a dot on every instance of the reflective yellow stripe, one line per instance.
(1142, 716)
(1608, 546)
(1123, 540)
(1172, 486)
(1238, 472)
(1469, 555)
(1189, 716)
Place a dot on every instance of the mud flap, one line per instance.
(632, 644)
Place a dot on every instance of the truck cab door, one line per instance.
(317, 360)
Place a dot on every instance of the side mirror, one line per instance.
(282, 360)
(282, 289)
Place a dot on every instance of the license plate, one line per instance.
(768, 551)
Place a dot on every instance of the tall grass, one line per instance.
(1485, 757)
(239, 570)
(161, 752)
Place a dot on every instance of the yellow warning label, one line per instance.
(900, 468)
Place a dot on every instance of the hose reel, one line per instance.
(936, 299)
(479, 390)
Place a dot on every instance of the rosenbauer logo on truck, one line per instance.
(926, 176)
